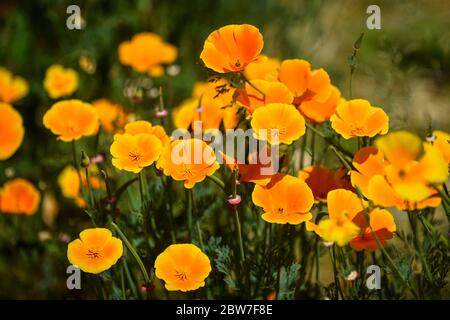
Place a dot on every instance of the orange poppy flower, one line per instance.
(320, 111)
(71, 119)
(368, 162)
(442, 143)
(18, 196)
(295, 73)
(278, 123)
(343, 206)
(112, 117)
(146, 52)
(188, 160)
(274, 92)
(95, 251)
(183, 267)
(60, 82)
(135, 152)
(12, 88)
(286, 199)
(357, 118)
(232, 48)
(11, 131)
(142, 126)
(383, 225)
(320, 179)
(263, 68)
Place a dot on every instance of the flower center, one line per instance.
(357, 131)
(94, 253)
(187, 172)
(180, 275)
(134, 156)
(280, 210)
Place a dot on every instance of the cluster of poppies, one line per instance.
(390, 169)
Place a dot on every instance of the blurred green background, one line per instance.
(404, 68)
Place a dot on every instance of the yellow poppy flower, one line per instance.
(146, 52)
(190, 160)
(71, 119)
(278, 123)
(285, 199)
(343, 206)
(60, 82)
(183, 267)
(12, 88)
(95, 251)
(357, 118)
(142, 126)
(134, 152)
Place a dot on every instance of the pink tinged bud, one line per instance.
(234, 200)
(161, 113)
(147, 288)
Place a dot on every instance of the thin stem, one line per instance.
(381, 247)
(236, 216)
(141, 190)
(75, 161)
(217, 181)
(418, 246)
(189, 211)
(91, 195)
(336, 280)
(313, 147)
(122, 282)
(341, 158)
(252, 85)
(303, 150)
(133, 253)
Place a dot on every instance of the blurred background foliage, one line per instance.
(404, 68)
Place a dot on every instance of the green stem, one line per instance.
(236, 216)
(91, 195)
(313, 147)
(418, 246)
(189, 212)
(336, 280)
(252, 85)
(381, 247)
(341, 158)
(122, 282)
(217, 181)
(133, 253)
(75, 161)
(141, 190)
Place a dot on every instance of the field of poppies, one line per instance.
(285, 151)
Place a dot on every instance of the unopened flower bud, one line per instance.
(234, 200)
(84, 160)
